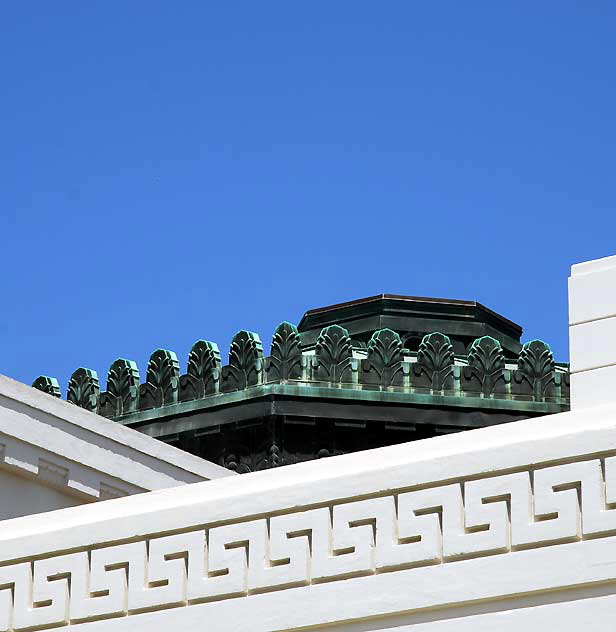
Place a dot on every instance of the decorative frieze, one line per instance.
(333, 363)
(405, 529)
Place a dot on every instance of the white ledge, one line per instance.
(595, 265)
(63, 446)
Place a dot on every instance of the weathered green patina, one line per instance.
(392, 379)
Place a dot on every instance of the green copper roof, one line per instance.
(383, 371)
(414, 317)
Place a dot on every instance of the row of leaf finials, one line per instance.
(332, 363)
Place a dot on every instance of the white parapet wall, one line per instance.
(592, 332)
(55, 455)
(505, 528)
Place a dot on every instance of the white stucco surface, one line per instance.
(592, 332)
(54, 455)
(512, 519)
(20, 496)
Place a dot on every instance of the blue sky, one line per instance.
(181, 170)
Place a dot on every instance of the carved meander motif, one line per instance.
(408, 528)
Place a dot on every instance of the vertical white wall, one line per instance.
(592, 332)
(22, 497)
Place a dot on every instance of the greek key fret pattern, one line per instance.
(429, 526)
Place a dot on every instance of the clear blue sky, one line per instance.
(181, 170)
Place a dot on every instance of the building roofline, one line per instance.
(411, 299)
(85, 437)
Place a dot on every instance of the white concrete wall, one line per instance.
(492, 529)
(21, 497)
(592, 332)
(54, 455)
